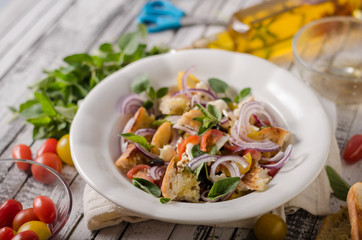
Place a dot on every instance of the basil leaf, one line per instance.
(152, 93)
(140, 84)
(217, 85)
(202, 175)
(164, 200)
(158, 123)
(147, 186)
(214, 111)
(138, 139)
(161, 92)
(196, 151)
(46, 104)
(223, 187)
(244, 93)
(339, 186)
(226, 99)
(214, 149)
(148, 104)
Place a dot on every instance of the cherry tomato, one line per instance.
(273, 172)
(40, 228)
(140, 171)
(26, 235)
(210, 138)
(43, 175)
(182, 146)
(24, 216)
(6, 233)
(44, 209)
(22, 151)
(8, 211)
(353, 151)
(63, 150)
(50, 145)
(270, 227)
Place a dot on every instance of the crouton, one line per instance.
(187, 119)
(174, 105)
(274, 134)
(161, 137)
(256, 179)
(167, 153)
(142, 120)
(130, 158)
(180, 186)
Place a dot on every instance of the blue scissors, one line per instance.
(162, 15)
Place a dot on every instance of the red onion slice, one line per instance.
(233, 158)
(204, 197)
(131, 104)
(279, 156)
(145, 132)
(246, 111)
(194, 163)
(281, 163)
(262, 146)
(187, 129)
(145, 152)
(157, 172)
(208, 93)
(126, 129)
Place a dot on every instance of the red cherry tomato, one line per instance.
(50, 145)
(181, 147)
(22, 151)
(273, 172)
(44, 209)
(43, 175)
(24, 216)
(140, 171)
(26, 235)
(8, 210)
(210, 138)
(353, 151)
(6, 233)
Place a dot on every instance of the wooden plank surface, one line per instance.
(37, 35)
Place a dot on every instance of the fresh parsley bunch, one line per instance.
(55, 101)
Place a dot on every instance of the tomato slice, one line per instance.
(353, 151)
(140, 171)
(210, 138)
(181, 147)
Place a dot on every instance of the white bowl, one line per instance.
(95, 143)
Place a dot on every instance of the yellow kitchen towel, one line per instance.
(99, 212)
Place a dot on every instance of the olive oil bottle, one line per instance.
(266, 29)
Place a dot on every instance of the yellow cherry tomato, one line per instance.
(191, 80)
(40, 228)
(270, 227)
(63, 150)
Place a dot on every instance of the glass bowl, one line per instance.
(328, 54)
(23, 187)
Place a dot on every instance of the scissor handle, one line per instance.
(162, 8)
(156, 23)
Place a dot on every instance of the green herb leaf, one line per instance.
(223, 187)
(138, 139)
(159, 122)
(339, 186)
(226, 99)
(214, 111)
(196, 151)
(147, 186)
(148, 104)
(217, 85)
(202, 175)
(140, 84)
(244, 93)
(152, 93)
(46, 104)
(164, 200)
(161, 92)
(211, 118)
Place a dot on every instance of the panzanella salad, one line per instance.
(194, 143)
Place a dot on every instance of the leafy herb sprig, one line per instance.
(339, 186)
(142, 84)
(139, 140)
(211, 118)
(54, 103)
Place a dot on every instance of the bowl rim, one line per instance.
(303, 64)
(62, 180)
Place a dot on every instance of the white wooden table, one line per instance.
(38, 34)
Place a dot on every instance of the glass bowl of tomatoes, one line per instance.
(34, 198)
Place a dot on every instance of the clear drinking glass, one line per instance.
(328, 54)
(23, 187)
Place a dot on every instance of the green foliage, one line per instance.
(54, 103)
